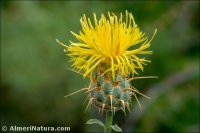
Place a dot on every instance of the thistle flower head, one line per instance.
(109, 42)
(105, 51)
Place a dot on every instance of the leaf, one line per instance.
(95, 121)
(116, 128)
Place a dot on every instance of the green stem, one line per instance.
(109, 119)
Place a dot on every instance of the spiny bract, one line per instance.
(110, 94)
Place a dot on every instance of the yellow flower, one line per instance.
(109, 42)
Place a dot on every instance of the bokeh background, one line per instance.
(35, 78)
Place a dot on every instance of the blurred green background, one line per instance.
(35, 78)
